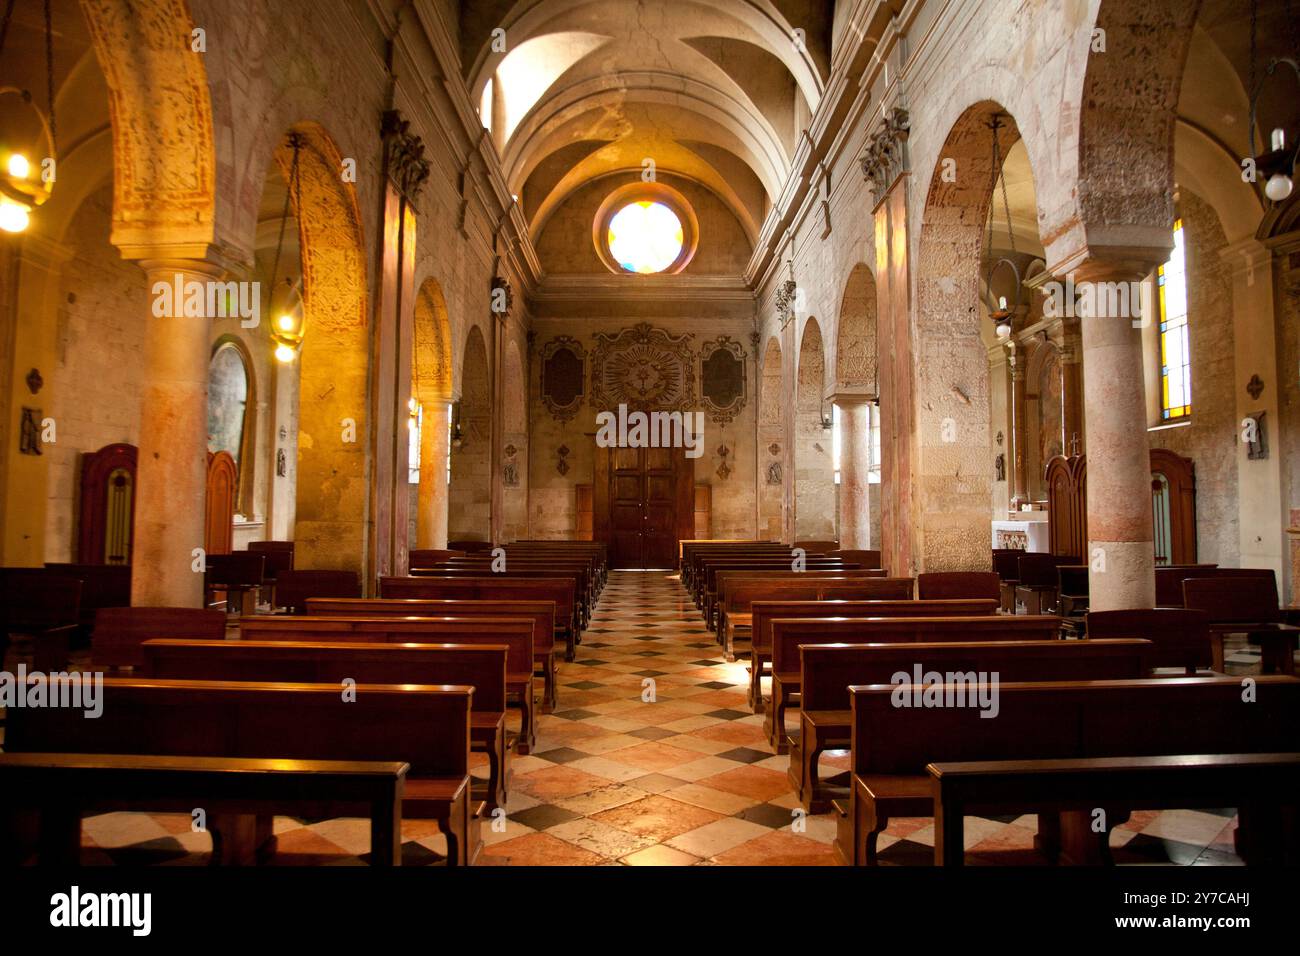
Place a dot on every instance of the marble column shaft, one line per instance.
(855, 470)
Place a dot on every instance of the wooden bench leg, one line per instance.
(776, 718)
(1081, 845)
(241, 839)
(811, 794)
(1216, 651)
(570, 651)
(548, 684)
(949, 834)
(1276, 656)
(756, 683)
(386, 828)
(497, 771)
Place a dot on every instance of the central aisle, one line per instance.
(681, 777)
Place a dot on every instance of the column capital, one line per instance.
(847, 398)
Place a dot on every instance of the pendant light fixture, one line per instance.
(287, 308)
(28, 138)
(1278, 162)
(1003, 314)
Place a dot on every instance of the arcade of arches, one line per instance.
(886, 264)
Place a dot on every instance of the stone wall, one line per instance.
(731, 475)
(95, 388)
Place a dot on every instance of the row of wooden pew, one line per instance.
(1134, 698)
(357, 706)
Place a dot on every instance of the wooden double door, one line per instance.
(643, 504)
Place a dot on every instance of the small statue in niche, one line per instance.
(775, 474)
(281, 463)
(1000, 468)
(511, 474)
(29, 438)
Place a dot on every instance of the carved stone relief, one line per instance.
(563, 374)
(645, 368)
(722, 374)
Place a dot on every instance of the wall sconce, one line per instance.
(827, 416)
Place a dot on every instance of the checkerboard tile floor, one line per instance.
(652, 758)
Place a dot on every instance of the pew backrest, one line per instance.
(789, 633)
(541, 613)
(481, 666)
(426, 726)
(900, 605)
(1179, 637)
(957, 584)
(120, 631)
(827, 670)
(1147, 717)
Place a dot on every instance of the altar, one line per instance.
(1023, 534)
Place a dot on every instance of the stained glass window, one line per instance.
(645, 237)
(1175, 350)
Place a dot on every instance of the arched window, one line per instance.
(230, 402)
(1175, 346)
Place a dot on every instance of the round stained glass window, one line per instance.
(645, 237)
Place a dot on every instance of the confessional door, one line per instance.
(643, 504)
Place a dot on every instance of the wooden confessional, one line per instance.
(108, 494)
(1173, 505)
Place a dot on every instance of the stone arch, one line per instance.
(431, 388)
(332, 510)
(855, 335)
(514, 445)
(951, 482)
(164, 157)
(1128, 100)
(431, 358)
(771, 444)
(814, 476)
(469, 498)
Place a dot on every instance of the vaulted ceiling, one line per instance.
(716, 92)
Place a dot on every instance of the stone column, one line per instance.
(431, 517)
(855, 468)
(1120, 537)
(1016, 368)
(171, 476)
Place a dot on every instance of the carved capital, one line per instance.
(404, 160)
(885, 157)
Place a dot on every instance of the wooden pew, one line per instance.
(1037, 587)
(1169, 581)
(45, 607)
(864, 558)
(788, 634)
(102, 585)
(728, 581)
(120, 632)
(687, 549)
(738, 616)
(481, 666)
(892, 745)
(1180, 638)
(541, 613)
(827, 670)
(1262, 787)
(1246, 605)
(693, 568)
(581, 574)
(514, 633)
(832, 567)
(294, 588)
(427, 727)
(488, 588)
(957, 585)
(57, 789)
(896, 591)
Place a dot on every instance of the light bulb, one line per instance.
(285, 353)
(286, 323)
(1004, 329)
(1278, 187)
(1002, 302)
(1278, 139)
(13, 217)
(19, 167)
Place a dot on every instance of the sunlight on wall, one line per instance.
(530, 69)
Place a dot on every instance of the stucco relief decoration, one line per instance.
(404, 153)
(563, 374)
(785, 296)
(164, 155)
(722, 375)
(645, 368)
(885, 157)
